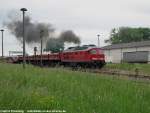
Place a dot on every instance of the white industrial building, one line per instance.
(128, 52)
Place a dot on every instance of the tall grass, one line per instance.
(75, 92)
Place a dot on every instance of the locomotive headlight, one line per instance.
(97, 58)
(94, 58)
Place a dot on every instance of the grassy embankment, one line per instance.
(75, 92)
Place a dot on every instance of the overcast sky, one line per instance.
(86, 18)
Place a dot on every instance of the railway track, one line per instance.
(124, 73)
(114, 72)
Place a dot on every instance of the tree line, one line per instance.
(128, 34)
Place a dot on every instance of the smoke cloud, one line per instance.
(70, 37)
(32, 30)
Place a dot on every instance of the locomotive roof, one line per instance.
(82, 48)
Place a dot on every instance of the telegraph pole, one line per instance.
(41, 37)
(35, 50)
(23, 34)
(2, 43)
(98, 40)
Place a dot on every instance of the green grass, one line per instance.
(144, 68)
(75, 92)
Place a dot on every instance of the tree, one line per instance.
(127, 34)
(57, 44)
(54, 45)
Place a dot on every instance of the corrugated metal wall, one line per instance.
(137, 56)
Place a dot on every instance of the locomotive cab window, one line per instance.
(93, 52)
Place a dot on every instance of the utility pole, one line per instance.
(23, 34)
(41, 37)
(35, 50)
(2, 43)
(98, 40)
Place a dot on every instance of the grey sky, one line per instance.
(86, 17)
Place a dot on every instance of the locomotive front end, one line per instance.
(97, 57)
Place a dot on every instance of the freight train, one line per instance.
(84, 56)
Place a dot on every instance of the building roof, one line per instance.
(127, 45)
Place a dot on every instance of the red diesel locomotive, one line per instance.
(84, 56)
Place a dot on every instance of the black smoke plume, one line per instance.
(70, 37)
(32, 33)
(32, 30)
